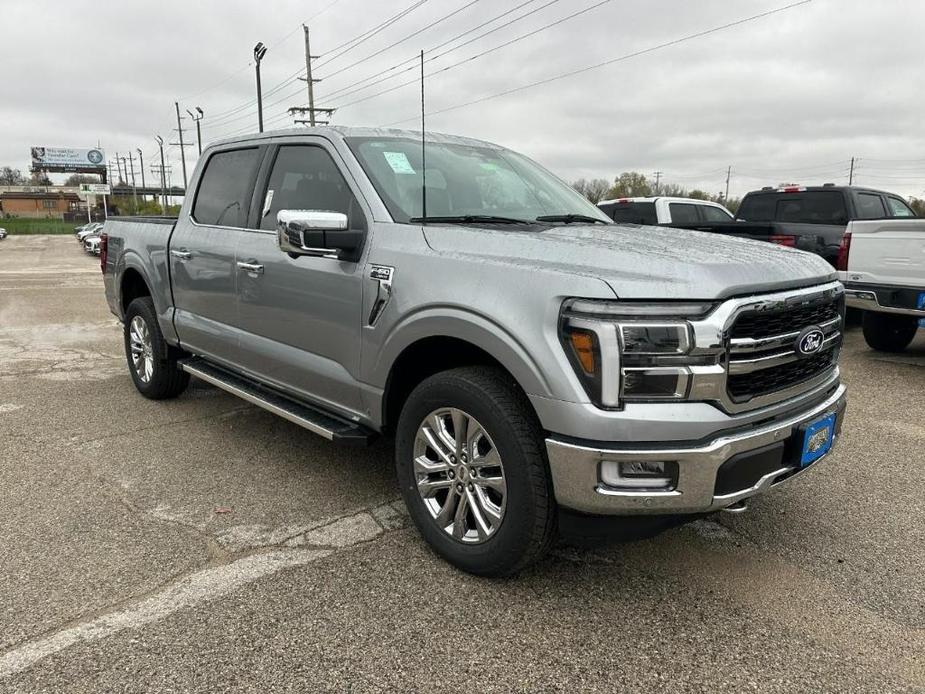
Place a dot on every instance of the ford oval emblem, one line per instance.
(809, 341)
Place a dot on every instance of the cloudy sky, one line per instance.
(790, 97)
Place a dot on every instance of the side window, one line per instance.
(225, 188)
(683, 213)
(713, 214)
(870, 206)
(304, 177)
(898, 208)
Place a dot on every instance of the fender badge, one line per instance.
(381, 272)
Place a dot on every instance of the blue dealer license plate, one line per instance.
(817, 439)
(921, 305)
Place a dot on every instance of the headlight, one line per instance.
(625, 351)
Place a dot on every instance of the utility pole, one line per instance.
(160, 144)
(658, 177)
(728, 174)
(259, 51)
(196, 120)
(182, 146)
(310, 109)
(131, 161)
(119, 169)
(851, 173)
(141, 165)
(308, 77)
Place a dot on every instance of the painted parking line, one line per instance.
(198, 588)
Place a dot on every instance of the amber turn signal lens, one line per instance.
(583, 344)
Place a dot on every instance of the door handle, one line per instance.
(251, 267)
(181, 255)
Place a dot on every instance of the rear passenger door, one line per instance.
(202, 254)
(683, 213)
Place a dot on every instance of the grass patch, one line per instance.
(22, 225)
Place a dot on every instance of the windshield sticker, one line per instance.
(399, 162)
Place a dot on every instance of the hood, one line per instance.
(641, 262)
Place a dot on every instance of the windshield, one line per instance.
(464, 180)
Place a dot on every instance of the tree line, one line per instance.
(632, 184)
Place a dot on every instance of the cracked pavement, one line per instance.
(205, 545)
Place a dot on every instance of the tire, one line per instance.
(889, 332)
(509, 428)
(157, 376)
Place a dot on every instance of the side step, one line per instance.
(329, 426)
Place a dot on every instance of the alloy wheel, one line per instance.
(459, 475)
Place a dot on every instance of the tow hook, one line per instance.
(737, 507)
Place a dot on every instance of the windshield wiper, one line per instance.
(569, 218)
(470, 219)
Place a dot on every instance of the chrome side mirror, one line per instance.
(315, 232)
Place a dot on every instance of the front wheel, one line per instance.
(889, 332)
(473, 472)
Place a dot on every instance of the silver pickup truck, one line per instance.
(537, 364)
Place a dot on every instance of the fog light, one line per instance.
(639, 474)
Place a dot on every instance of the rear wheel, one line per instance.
(151, 361)
(473, 472)
(889, 332)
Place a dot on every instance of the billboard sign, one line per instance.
(95, 189)
(67, 159)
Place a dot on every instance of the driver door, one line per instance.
(301, 317)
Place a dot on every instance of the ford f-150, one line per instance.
(534, 361)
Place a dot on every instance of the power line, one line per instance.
(628, 56)
(221, 117)
(250, 63)
(481, 54)
(455, 48)
(339, 92)
(405, 38)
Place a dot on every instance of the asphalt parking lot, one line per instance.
(203, 544)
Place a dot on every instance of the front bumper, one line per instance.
(576, 468)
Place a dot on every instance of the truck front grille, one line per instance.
(763, 355)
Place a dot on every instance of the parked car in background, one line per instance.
(92, 244)
(536, 363)
(2, 233)
(664, 211)
(89, 229)
(809, 218)
(882, 264)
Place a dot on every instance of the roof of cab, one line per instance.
(696, 201)
(342, 132)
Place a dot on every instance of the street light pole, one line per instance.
(259, 51)
(196, 120)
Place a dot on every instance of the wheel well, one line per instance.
(422, 359)
(133, 286)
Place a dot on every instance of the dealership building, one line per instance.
(41, 202)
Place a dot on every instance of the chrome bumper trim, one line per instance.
(868, 300)
(576, 469)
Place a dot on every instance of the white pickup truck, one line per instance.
(882, 265)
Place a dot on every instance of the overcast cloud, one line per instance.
(791, 97)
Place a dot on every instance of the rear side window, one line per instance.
(683, 213)
(812, 207)
(870, 206)
(225, 188)
(632, 213)
(714, 214)
(305, 177)
(899, 209)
